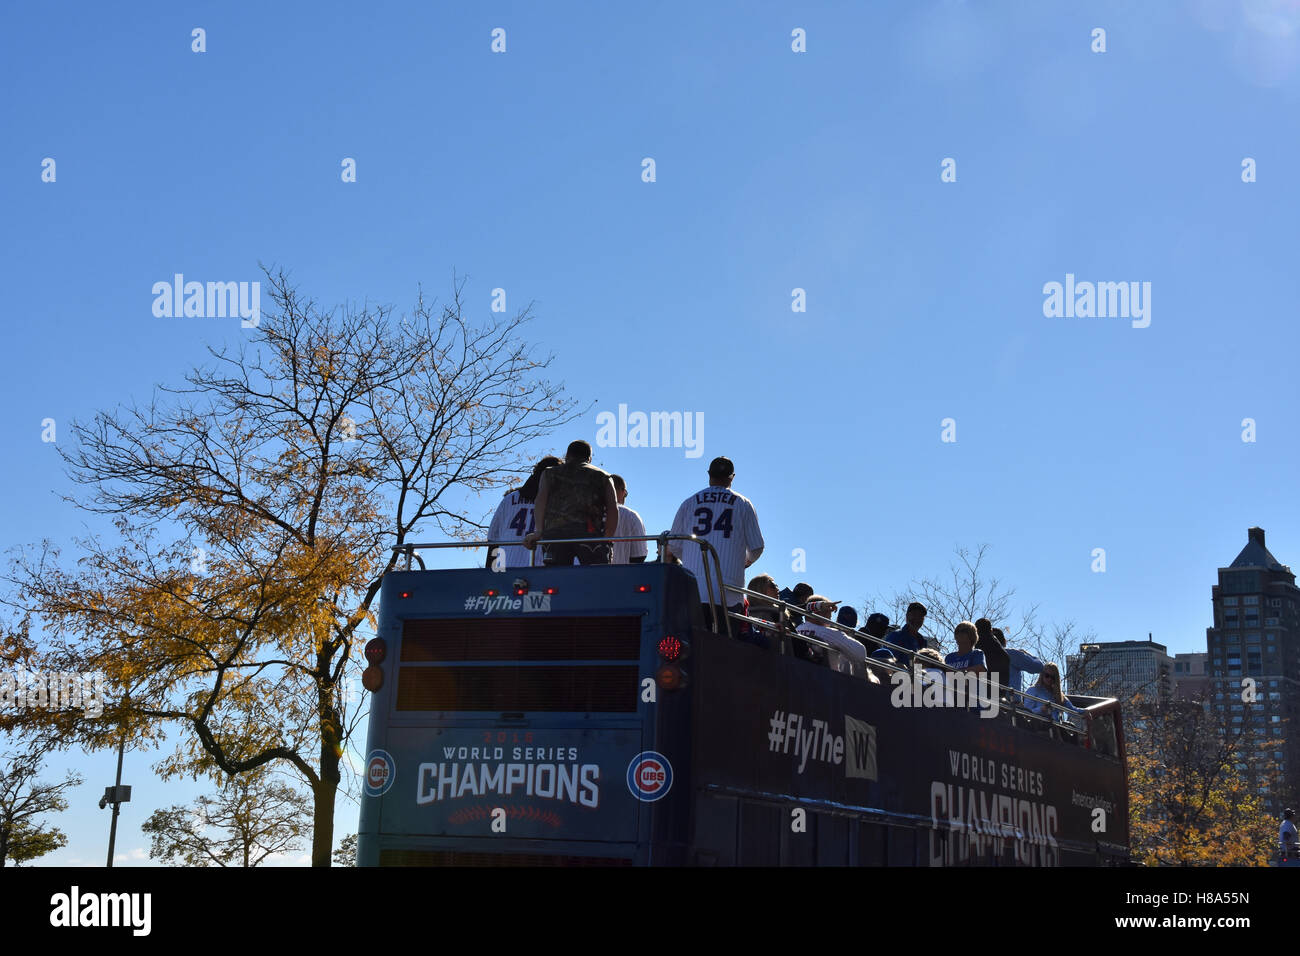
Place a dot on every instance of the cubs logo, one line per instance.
(380, 773)
(649, 776)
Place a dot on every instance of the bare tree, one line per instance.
(967, 592)
(251, 817)
(255, 510)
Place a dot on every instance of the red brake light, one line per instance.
(550, 590)
(376, 650)
(491, 592)
(520, 592)
(670, 648)
(403, 594)
(643, 588)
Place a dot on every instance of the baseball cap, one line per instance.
(877, 624)
(721, 468)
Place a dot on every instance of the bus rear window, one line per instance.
(575, 665)
(522, 639)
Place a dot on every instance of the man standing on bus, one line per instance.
(575, 500)
(630, 525)
(729, 523)
(909, 636)
(514, 519)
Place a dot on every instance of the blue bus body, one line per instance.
(532, 729)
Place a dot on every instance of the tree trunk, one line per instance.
(324, 792)
(322, 839)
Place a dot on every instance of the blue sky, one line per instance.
(775, 170)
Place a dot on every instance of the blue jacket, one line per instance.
(1022, 662)
(903, 638)
(1036, 700)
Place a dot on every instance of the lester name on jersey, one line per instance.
(728, 522)
(513, 520)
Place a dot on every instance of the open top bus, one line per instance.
(557, 716)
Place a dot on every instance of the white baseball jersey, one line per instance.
(629, 522)
(847, 655)
(513, 520)
(728, 522)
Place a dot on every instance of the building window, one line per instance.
(1270, 622)
(1230, 619)
(1252, 637)
(1274, 602)
(1250, 599)
(1230, 602)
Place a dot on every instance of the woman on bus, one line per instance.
(1047, 690)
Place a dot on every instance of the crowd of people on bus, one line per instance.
(571, 499)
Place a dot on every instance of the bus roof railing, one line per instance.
(410, 550)
(1017, 696)
(661, 542)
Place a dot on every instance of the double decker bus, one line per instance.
(590, 716)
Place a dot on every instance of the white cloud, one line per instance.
(137, 855)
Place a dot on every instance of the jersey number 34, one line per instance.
(704, 523)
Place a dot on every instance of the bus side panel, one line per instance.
(810, 739)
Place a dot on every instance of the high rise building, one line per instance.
(1121, 669)
(1253, 664)
(1191, 679)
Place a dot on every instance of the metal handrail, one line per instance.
(1013, 693)
(661, 541)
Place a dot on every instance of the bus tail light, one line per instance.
(671, 677)
(670, 648)
(550, 591)
(643, 589)
(372, 678)
(672, 651)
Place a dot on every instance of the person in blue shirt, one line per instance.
(908, 637)
(966, 658)
(1047, 690)
(1022, 662)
